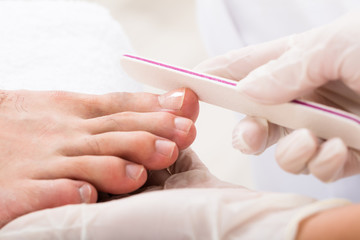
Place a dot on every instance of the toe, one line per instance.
(107, 173)
(163, 124)
(35, 195)
(182, 102)
(140, 147)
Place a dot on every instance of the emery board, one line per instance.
(324, 121)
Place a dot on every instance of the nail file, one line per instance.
(325, 122)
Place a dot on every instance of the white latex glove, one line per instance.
(193, 205)
(320, 65)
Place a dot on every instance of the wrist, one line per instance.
(309, 222)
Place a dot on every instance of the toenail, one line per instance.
(85, 193)
(165, 148)
(183, 124)
(172, 100)
(134, 171)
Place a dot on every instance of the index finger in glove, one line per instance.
(313, 58)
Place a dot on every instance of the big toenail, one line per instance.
(85, 193)
(134, 171)
(165, 148)
(172, 100)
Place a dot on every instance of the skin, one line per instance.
(334, 224)
(59, 148)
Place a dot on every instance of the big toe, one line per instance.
(190, 106)
(35, 195)
(182, 102)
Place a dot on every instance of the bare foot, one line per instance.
(59, 148)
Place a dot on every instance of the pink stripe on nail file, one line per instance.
(180, 70)
(234, 84)
(327, 110)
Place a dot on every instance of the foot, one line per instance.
(59, 148)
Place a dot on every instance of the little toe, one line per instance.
(35, 195)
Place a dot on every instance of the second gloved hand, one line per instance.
(189, 204)
(320, 65)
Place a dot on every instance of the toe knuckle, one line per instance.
(94, 144)
(144, 139)
(93, 104)
(59, 95)
(117, 97)
(4, 97)
(164, 118)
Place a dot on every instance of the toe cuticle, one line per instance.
(165, 147)
(134, 171)
(183, 124)
(172, 100)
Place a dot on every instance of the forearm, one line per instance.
(337, 223)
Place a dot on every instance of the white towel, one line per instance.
(61, 45)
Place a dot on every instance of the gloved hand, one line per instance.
(188, 204)
(320, 65)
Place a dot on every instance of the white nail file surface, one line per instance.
(324, 121)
